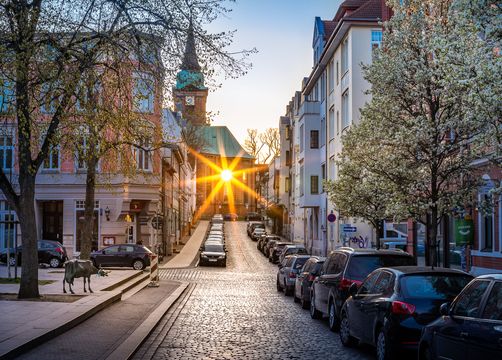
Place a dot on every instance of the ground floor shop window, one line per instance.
(7, 218)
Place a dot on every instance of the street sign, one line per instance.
(349, 229)
(464, 231)
(157, 222)
(331, 217)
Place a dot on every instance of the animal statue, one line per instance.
(80, 268)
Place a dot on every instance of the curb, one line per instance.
(104, 300)
(129, 346)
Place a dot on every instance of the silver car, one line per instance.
(288, 271)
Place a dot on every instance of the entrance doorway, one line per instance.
(52, 220)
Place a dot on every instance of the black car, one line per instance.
(342, 268)
(263, 241)
(252, 216)
(231, 217)
(304, 280)
(49, 252)
(393, 305)
(292, 250)
(213, 254)
(133, 255)
(276, 250)
(470, 327)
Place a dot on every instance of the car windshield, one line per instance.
(299, 263)
(213, 248)
(445, 286)
(360, 266)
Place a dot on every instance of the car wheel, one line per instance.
(314, 313)
(278, 284)
(383, 346)
(54, 262)
(333, 319)
(138, 264)
(287, 290)
(295, 298)
(305, 304)
(12, 261)
(345, 337)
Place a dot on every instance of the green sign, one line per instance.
(464, 232)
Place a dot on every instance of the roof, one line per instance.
(370, 10)
(490, 276)
(425, 270)
(329, 27)
(221, 142)
(372, 251)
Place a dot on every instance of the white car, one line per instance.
(257, 232)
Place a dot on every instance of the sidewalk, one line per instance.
(27, 324)
(189, 252)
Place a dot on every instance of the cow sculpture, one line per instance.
(80, 268)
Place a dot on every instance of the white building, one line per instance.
(337, 84)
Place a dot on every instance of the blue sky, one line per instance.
(281, 30)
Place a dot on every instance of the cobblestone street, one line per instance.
(236, 313)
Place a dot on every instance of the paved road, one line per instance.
(236, 313)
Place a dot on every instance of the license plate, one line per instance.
(212, 260)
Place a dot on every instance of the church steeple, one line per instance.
(190, 61)
(190, 92)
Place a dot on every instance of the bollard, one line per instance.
(154, 271)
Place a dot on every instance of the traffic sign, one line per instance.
(349, 229)
(157, 222)
(331, 217)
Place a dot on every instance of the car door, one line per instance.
(282, 270)
(302, 275)
(43, 252)
(450, 340)
(319, 285)
(125, 256)
(108, 256)
(356, 312)
(484, 337)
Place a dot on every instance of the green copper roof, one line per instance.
(190, 79)
(220, 141)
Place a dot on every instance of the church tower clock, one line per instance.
(190, 93)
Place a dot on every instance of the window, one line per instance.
(432, 286)
(338, 122)
(49, 98)
(331, 123)
(144, 94)
(143, 157)
(332, 169)
(286, 185)
(345, 56)
(368, 285)
(384, 284)
(288, 158)
(6, 152)
(51, 162)
(314, 184)
(493, 307)
(112, 250)
(376, 39)
(81, 154)
(7, 96)
(7, 218)
(314, 139)
(487, 224)
(345, 110)
(323, 175)
(288, 132)
(337, 72)
(323, 132)
(301, 181)
(469, 301)
(302, 136)
(331, 76)
(323, 86)
(80, 221)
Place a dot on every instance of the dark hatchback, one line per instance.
(49, 252)
(133, 255)
(470, 327)
(276, 250)
(342, 268)
(392, 306)
(213, 254)
(305, 278)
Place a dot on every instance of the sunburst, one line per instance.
(225, 176)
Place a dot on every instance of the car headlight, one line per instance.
(204, 256)
(221, 257)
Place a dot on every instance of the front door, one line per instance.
(52, 220)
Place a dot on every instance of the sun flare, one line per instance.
(226, 175)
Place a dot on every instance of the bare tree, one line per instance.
(263, 146)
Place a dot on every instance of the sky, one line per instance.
(281, 31)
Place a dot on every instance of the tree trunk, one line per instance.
(90, 187)
(433, 234)
(29, 264)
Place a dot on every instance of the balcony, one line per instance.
(309, 108)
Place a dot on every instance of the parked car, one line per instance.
(215, 240)
(213, 254)
(256, 233)
(136, 256)
(276, 250)
(292, 249)
(470, 327)
(392, 306)
(49, 252)
(269, 245)
(231, 217)
(304, 280)
(253, 225)
(264, 241)
(288, 270)
(343, 267)
(252, 216)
